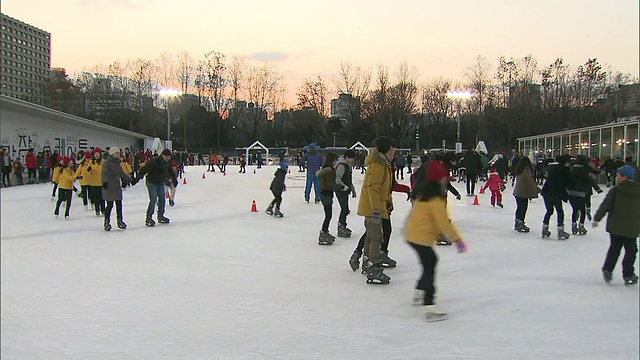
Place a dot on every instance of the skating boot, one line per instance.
(53, 198)
(631, 280)
(121, 224)
(149, 222)
(582, 230)
(365, 264)
(343, 231)
(107, 225)
(574, 229)
(418, 297)
(386, 261)
(55, 216)
(269, 210)
(607, 275)
(163, 220)
(545, 231)
(442, 240)
(87, 208)
(376, 275)
(171, 202)
(433, 314)
(500, 205)
(354, 260)
(325, 238)
(317, 201)
(67, 217)
(562, 235)
(278, 214)
(588, 213)
(521, 227)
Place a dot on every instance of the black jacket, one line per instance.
(558, 177)
(472, 163)
(277, 184)
(580, 182)
(157, 171)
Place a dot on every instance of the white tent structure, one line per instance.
(256, 144)
(481, 147)
(359, 146)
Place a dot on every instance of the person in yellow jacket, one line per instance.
(427, 220)
(66, 178)
(93, 175)
(375, 200)
(126, 167)
(84, 182)
(55, 176)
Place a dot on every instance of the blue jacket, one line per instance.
(314, 162)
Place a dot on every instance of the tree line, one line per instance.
(238, 101)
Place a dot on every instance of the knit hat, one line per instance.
(66, 160)
(87, 155)
(349, 154)
(284, 165)
(628, 172)
(17, 158)
(166, 152)
(97, 150)
(113, 151)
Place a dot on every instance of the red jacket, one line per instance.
(493, 183)
(30, 160)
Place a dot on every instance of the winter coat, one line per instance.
(93, 172)
(427, 220)
(376, 186)
(493, 182)
(66, 178)
(314, 162)
(344, 175)
(579, 182)
(502, 167)
(277, 184)
(472, 163)
(82, 167)
(400, 161)
(525, 186)
(55, 176)
(30, 160)
(328, 183)
(623, 205)
(112, 174)
(157, 171)
(558, 177)
(5, 160)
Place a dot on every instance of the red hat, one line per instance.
(97, 150)
(66, 160)
(436, 171)
(174, 164)
(59, 159)
(87, 155)
(166, 152)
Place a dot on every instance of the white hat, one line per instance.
(113, 151)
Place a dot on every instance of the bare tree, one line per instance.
(313, 94)
(261, 89)
(354, 81)
(165, 74)
(185, 71)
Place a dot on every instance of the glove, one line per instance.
(462, 246)
(594, 224)
(104, 185)
(89, 168)
(503, 187)
(458, 197)
(482, 191)
(375, 216)
(353, 193)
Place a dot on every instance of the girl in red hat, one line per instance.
(93, 173)
(66, 178)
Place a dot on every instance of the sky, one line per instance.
(310, 38)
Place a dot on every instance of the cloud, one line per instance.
(270, 56)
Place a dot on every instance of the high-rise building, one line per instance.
(25, 58)
(345, 107)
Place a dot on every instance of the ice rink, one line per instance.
(221, 282)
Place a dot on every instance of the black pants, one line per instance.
(107, 211)
(343, 200)
(223, 168)
(277, 201)
(551, 202)
(471, 183)
(211, 167)
(578, 207)
(327, 204)
(630, 249)
(521, 208)
(55, 187)
(63, 195)
(386, 235)
(6, 176)
(95, 194)
(400, 172)
(429, 260)
(85, 194)
(243, 168)
(31, 173)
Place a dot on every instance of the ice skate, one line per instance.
(433, 314)
(55, 216)
(121, 224)
(582, 230)
(574, 229)
(376, 275)
(521, 227)
(171, 202)
(631, 280)
(354, 261)
(607, 276)
(500, 205)
(53, 198)
(325, 238)
(278, 214)
(545, 231)
(386, 261)
(107, 225)
(269, 210)
(317, 201)
(562, 235)
(67, 217)
(343, 231)
(418, 297)
(149, 222)
(365, 264)
(163, 220)
(588, 213)
(87, 208)
(442, 240)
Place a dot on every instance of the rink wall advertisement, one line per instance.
(24, 125)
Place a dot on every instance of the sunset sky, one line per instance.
(307, 38)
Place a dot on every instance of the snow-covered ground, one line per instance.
(221, 282)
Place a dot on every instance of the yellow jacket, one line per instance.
(67, 178)
(126, 168)
(80, 172)
(56, 174)
(93, 177)
(376, 186)
(427, 220)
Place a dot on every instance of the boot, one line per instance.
(149, 221)
(325, 238)
(354, 260)
(607, 275)
(277, 213)
(561, 234)
(418, 297)
(376, 275)
(521, 227)
(269, 210)
(631, 280)
(171, 202)
(107, 224)
(582, 230)
(433, 313)
(500, 205)
(343, 231)
(162, 219)
(545, 231)
(365, 264)
(386, 261)
(574, 228)
(121, 224)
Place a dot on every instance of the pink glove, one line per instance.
(462, 246)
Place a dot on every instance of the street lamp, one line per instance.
(235, 142)
(168, 94)
(458, 97)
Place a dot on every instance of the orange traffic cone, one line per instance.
(168, 195)
(203, 175)
(254, 208)
(475, 201)
(254, 171)
(184, 181)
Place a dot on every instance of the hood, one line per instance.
(113, 159)
(376, 157)
(324, 170)
(630, 189)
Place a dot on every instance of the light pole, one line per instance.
(458, 97)
(167, 94)
(235, 142)
(334, 139)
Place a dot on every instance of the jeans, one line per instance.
(578, 207)
(312, 179)
(429, 260)
(156, 196)
(521, 208)
(551, 203)
(630, 249)
(107, 212)
(343, 200)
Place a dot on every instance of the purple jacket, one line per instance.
(314, 162)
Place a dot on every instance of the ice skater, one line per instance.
(113, 176)
(66, 179)
(277, 188)
(157, 170)
(554, 193)
(344, 177)
(495, 185)
(328, 186)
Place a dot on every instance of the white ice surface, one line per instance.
(220, 282)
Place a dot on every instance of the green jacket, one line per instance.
(623, 205)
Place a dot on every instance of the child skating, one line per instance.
(495, 185)
(277, 187)
(65, 186)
